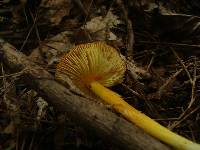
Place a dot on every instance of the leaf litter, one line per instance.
(163, 74)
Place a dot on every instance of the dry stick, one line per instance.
(7, 87)
(23, 143)
(3, 76)
(90, 115)
(192, 134)
(184, 117)
(197, 77)
(182, 63)
(132, 91)
(29, 33)
(36, 28)
(192, 81)
(193, 96)
(169, 82)
(150, 63)
(82, 8)
(12, 74)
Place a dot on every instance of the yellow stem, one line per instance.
(141, 120)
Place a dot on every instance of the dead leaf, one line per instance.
(100, 26)
(54, 11)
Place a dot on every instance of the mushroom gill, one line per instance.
(90, 62)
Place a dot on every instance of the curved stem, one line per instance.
(141, 120)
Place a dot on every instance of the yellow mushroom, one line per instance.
(95, 66)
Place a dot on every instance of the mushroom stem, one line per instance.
(141, 120)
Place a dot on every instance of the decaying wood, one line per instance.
(85, 112)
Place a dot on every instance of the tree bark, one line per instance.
(85, 112)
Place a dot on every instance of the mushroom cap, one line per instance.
(90, 62)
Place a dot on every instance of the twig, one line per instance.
(176, 123)
(192, 80)
(29, 33)
(82, 8)
(169, 81)
(193, 95)
(182, 63)
(132, 91)
(32, 142)
(3, 76)
(150, 63)
(23, 143)
(13, 74)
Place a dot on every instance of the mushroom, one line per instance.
(96, 66)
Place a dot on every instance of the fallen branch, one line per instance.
(85, 112)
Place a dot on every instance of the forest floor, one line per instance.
(160, 38)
